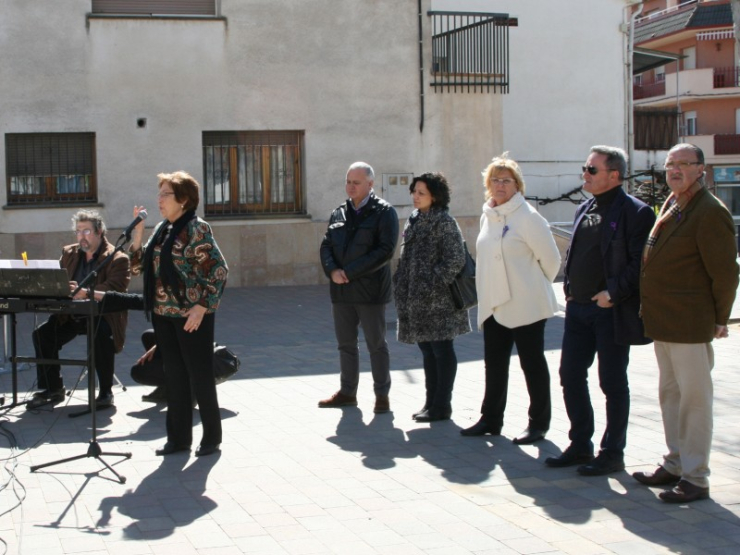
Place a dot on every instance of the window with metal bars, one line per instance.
(154, 7)
(50, 167)
(470, 51)
(253, 173)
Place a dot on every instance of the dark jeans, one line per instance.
(51, 336)
(347, 321)
(589, 330)
(498, 342)
(440, 368)
(188, 358)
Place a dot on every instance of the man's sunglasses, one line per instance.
(593, 170)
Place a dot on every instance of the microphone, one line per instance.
(140, 218)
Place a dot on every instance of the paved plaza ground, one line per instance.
(295, 479)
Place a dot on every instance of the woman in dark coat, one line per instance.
(432, 255)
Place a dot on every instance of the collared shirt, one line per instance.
(359, 208)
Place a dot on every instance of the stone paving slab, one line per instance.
(295, 479)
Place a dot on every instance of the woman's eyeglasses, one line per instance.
(505, 181)
(163, 194)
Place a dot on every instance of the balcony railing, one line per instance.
(726, 77)
(726, 144)
(648, 89)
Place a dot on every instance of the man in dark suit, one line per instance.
(79, 260)
(602, 273)
(688, 284)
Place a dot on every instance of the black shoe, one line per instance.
(104, 400)
(204, 450)
(530, 435)
(603, 464)
(480, 428)
(418, 412)
(170, 448)
(158, 395)
(431, 415)
(570, 457)
(46, 398)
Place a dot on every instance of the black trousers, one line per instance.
(589, 332)
(188, 358)
(440, 368)
(52, 335)
(151, 372)
(498, 342)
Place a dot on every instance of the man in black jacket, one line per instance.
(356, 254)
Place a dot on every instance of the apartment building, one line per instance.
(696, 96)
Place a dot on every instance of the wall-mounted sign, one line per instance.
(727, 174)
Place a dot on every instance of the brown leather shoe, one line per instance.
(339, 399)
(382, 404)
(661, 477)
(684, 492)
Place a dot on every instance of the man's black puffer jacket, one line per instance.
(362, 245)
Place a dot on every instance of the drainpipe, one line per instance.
(629, 80)
(421, 71)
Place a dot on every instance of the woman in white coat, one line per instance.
(517, 261)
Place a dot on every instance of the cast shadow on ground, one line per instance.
(567, 497)
(379, 443)
(171, 497)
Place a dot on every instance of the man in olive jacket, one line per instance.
(688, 284)
(356, 254)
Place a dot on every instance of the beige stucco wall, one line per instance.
(344, 72)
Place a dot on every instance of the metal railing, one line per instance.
(726, 77)
(648, 89)
(470, 51)
(727, 144)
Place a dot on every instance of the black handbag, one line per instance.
(464, 294)
(225, 363)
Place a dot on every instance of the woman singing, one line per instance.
(184, 278)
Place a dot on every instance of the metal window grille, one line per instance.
(470, 51)
(154, 7)
(253, 173)
(50, 167)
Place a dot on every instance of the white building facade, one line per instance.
(567, 92)
(265, 103)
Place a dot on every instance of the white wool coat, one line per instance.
(517, 261)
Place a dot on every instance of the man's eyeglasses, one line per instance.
(680, 165)
(593, 170)
(505, 181)
(84, 232)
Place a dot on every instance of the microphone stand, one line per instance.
(93, 449)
